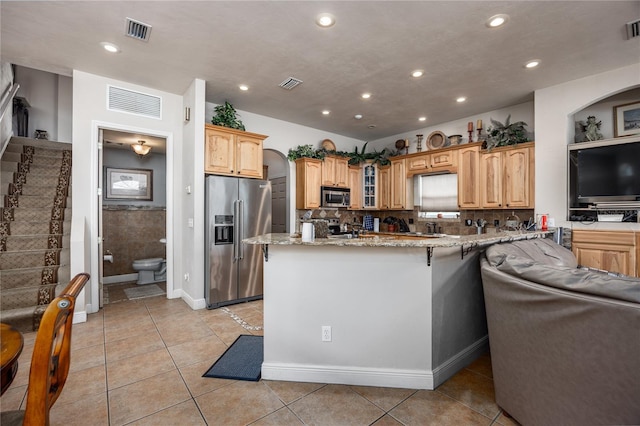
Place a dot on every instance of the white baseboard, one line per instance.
(113, 279)
(460, 360)
(195, 304)
(389, 378)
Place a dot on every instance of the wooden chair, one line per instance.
(50, 360)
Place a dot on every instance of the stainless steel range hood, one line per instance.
(436, 193)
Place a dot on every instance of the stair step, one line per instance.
(34, 242)
(12, 156)
(12, 278)
(37, 227)
(24, 214)
(39, 143)
(46, 201)
(22, 297)
(33, 258)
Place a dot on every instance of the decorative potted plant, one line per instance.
(506, 134)
(226, 116)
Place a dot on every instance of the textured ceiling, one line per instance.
(373, 47)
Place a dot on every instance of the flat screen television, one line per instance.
(605, 174)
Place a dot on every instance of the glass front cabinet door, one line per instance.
(369, 187)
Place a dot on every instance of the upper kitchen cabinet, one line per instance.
(507, 177)
(370, 186)
(355, 184)
(401, 191)
(232, 152)
(308, 179)
(384, 189)
(468, 177)
(335, 171)
(432, 162)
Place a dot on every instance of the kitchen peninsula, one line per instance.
(403, 311)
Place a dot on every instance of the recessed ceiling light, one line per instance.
(422, 119)
(366, 95)
(532, 63)
(110, 47)
(358, 116)
(243, 87)
(326, 112)
(371, 126)
(497, 20)
(325, 20)
(417, 73)
(461, 99)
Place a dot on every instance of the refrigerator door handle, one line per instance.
(236, 230)
(241, 229)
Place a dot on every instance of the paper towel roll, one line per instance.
(308, 232)
(376, 224)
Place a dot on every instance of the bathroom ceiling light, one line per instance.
(417, 73)
(110, 47)
(497, 20)
(532, 63)
(325, 20)
(140, 148)
(461, 99)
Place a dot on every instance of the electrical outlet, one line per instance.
(468, 222)
(496, 222)
(186, 277)
(326, 333)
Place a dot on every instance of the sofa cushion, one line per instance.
(571, 278)
(542, 250)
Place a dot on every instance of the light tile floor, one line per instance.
(140, 362)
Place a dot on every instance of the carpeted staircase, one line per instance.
(35, 221)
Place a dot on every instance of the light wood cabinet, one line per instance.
(385, 187)
(434, 161)
(355, 186)
(232, 152)
(608, 250)
(468, 177)
(308, 182)
(335, 172)
(507, 177)
(401, 191)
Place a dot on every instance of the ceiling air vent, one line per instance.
(131, 102)
(290, 83)
(138, 30)
(633, 29)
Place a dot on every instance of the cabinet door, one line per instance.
(385, 188)
(419, 163)
(328, 171)
(516, 167)
(219, 153)
(370, 186)
(491, 180)
(342, 172)
(607, 250)
(248, 156)
(398, 185)
(355, 185)
(308, 179)
(443, 159)
(468, 178)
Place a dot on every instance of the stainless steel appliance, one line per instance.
(236, 208)
(335, 197)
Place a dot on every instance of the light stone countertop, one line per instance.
(400, 240)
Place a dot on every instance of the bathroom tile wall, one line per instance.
(132, 233)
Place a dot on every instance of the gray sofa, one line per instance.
(565, 342)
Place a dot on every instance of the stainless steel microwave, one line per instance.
(335, 197)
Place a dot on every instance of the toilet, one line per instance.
(150, 270)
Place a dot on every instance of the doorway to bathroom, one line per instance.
(132, 216)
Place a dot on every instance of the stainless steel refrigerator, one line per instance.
(236, 208)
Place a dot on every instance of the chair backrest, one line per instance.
(51, 354)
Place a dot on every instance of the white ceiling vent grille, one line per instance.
(138, 30)
(290, 83)
(633, 29)
(131, 102)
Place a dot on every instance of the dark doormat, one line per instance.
(241, 361)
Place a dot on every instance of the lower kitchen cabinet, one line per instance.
(613, 251)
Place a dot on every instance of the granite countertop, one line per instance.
(400, 240)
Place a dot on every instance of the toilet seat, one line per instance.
(151, 263)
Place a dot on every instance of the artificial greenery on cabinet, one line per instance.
(226, 116)
(506, 134)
